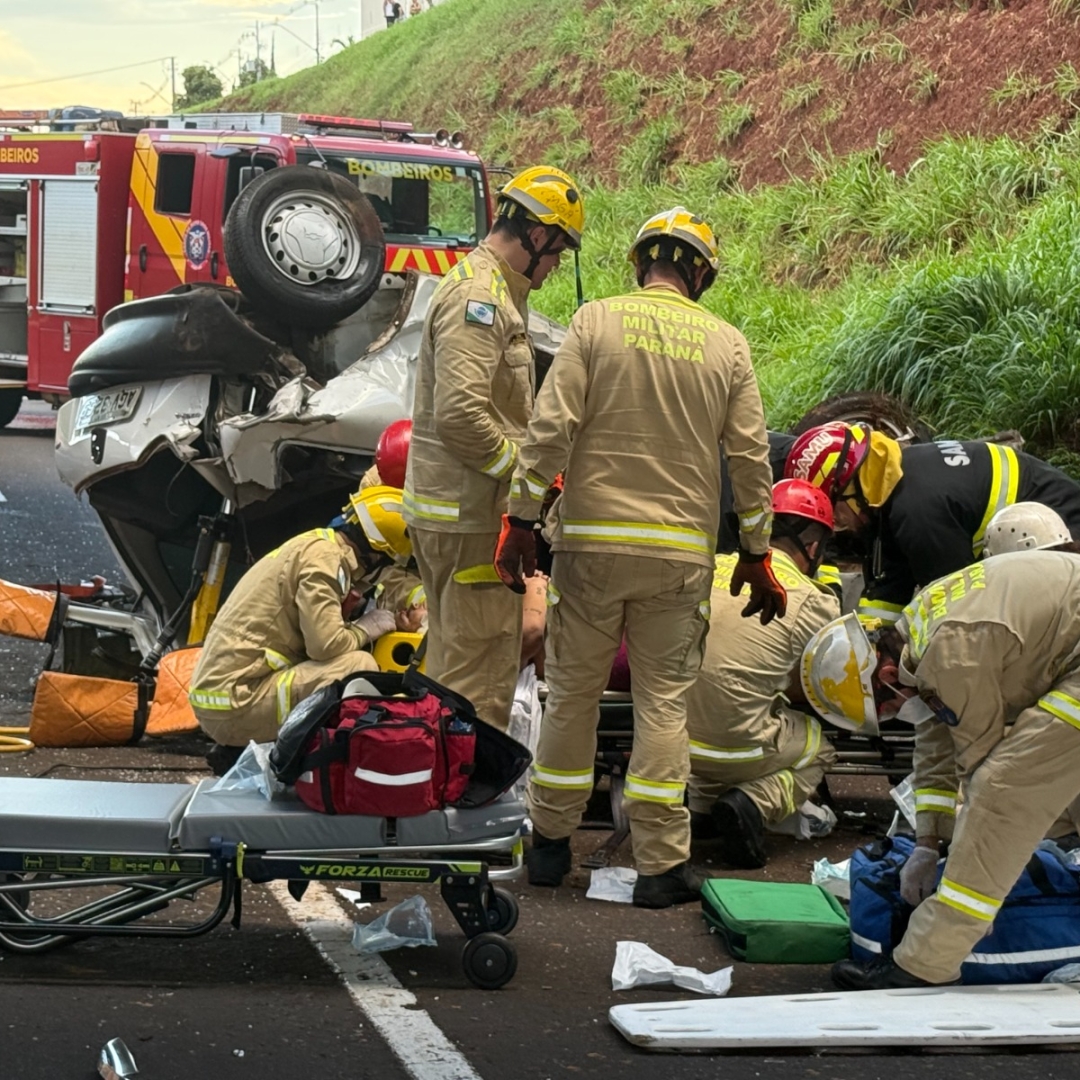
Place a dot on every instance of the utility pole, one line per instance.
(172, 76)
(258, 57)
(318, 55)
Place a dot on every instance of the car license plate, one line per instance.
(108, 407)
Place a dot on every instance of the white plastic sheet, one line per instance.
(638, 965)
(614, 883)
(833, 877)
(252, 772)
(405, 926)
(904, 797)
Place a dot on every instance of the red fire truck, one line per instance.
(90, 217)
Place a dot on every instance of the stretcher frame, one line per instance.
(134, 885)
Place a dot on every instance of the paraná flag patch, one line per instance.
(476, 311)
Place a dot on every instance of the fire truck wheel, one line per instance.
(305, 246)
(10, 401)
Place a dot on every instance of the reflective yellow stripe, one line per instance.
(502, 462)
(284, 694)
(477, 575)
(217, 700)
(631, 532)
(703, 751)
(563, 779)
(1062, 706)
(935, 801)
(812, 744)
(749, 520)
(276, 660)
(498, 287)
(431, 509)
(1004, 480)
(880, 609)
(532, 485)
(705, 609)
(553, 596)
(828, 575)
(668, 792)
(417, 597)
(968, 901)
(787, 782)
(939, 596)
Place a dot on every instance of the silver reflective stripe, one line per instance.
(638, 534)
(393, 779)
(1035, 956)
(433, 509)
(209, 699)
(559, 778)
(720, 753)
(502, 461)
(865, 943)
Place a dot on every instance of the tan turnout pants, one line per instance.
(778, 780)
(1013, 798)
(275, 696)
(474, 621)
(662, 605)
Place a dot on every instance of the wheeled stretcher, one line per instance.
(86, 858)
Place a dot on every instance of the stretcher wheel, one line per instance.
(489, 961)
(502, 911)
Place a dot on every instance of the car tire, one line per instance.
(883, 412)
(304, 246)
(10, 403)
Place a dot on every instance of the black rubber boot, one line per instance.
(880, 974)
(548, 861)
(222, 758)
(741, 830)
(702, 826)
(679, 885)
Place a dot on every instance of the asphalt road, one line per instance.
(260, 1001)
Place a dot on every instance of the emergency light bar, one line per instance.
(392, 127)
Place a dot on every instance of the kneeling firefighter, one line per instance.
(754, 761)
(990, 666)
(281, 633)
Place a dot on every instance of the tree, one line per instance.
(255, 71)
(200, 84)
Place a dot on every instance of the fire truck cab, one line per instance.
(91, 217)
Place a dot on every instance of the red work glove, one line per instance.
(515, 553)
(767, 595)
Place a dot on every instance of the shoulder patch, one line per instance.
(476, 311)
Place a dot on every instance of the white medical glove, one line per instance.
(373, 624)
(918, 876)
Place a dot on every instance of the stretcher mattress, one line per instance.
(89, 815)
(86, 815)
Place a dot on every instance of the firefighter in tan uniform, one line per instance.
(281, 634)
(474, 397)
(754, 761)
(641, 394)
(993, 652)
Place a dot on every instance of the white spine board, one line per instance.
(935, 1016)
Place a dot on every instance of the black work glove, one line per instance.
(767, 595)
(515, 553)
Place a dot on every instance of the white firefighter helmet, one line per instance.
(835, 671)
(1025, 526)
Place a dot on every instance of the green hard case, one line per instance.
(770, 922)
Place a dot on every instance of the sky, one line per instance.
(60, 52)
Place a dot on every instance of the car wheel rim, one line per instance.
(309, 239)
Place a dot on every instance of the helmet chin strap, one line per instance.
(536, 254)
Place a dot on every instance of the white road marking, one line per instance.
(2, 499)
(415, 1039)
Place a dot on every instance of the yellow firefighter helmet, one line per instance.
(678, 224)
(550, 196)
(377, 510)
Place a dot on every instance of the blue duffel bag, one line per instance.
(1036, 930)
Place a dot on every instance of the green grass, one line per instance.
(798, 97)
(955, 284)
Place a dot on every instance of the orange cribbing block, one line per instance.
(77, 710)
(170, 712)
(25, 612)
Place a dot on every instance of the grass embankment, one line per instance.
(954, 285)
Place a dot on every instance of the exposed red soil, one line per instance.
(971, 51)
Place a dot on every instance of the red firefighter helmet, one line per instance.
(392, 453)
(815, 456)
(799, 498)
